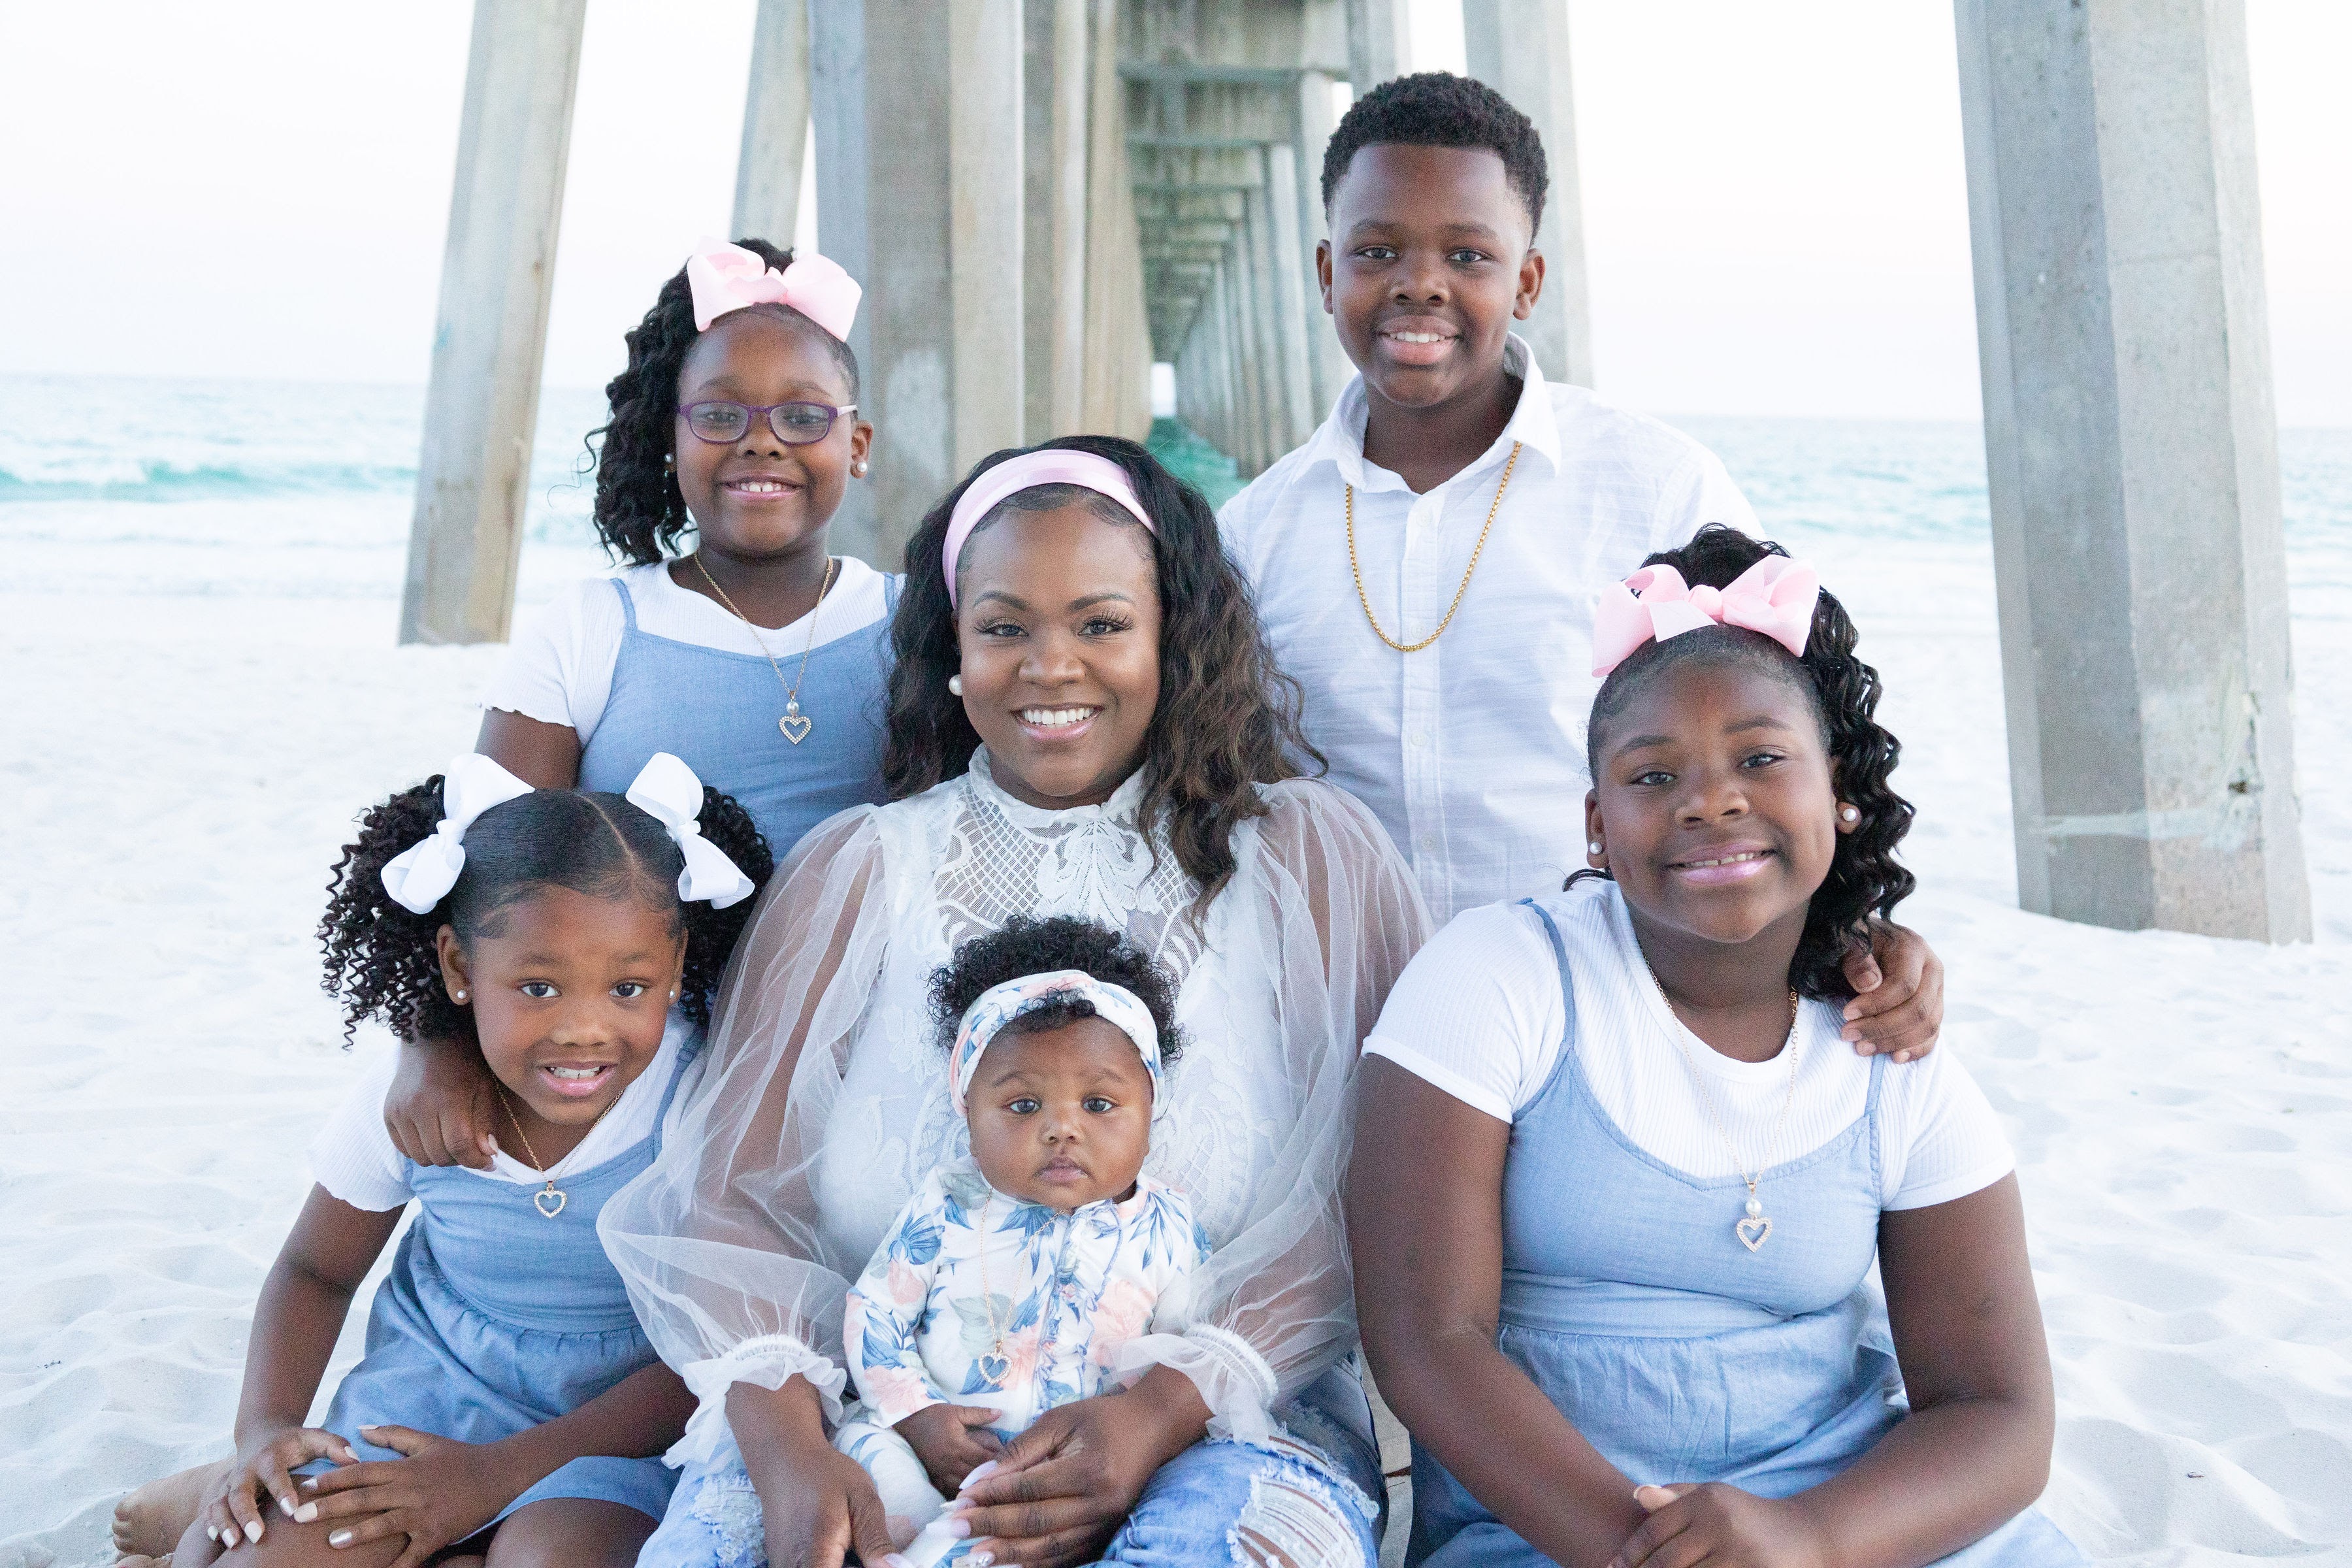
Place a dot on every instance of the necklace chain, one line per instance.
(539, 1199)
(1707, 1096)
(1357, 570)
(794, 724)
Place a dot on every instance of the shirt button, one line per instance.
(1420, 737)
(1429, 841)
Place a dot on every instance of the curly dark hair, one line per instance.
(1227, 720)
(1026, 946)
(640, 511)
(1438, 108)
(383, 961)
(1864, 879)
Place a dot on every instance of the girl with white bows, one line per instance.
(1084, 721)
(507, 1392)
(1014, 1277)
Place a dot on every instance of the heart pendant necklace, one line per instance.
(548, 1201)
(794, 724)
(994, 1364)
(1753, 1228)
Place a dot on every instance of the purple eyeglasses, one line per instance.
(795, 424)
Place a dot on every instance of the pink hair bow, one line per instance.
(727, 278)
(1775, 596)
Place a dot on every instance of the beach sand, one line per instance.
(179, 771)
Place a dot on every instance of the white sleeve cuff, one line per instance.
(1953, 1188)
(770, 1361)
(1234, 1381)
(1477, 1097)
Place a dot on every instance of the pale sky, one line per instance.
(1775, 207)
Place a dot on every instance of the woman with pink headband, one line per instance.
(1085, 721)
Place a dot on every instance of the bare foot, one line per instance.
(149, 1522)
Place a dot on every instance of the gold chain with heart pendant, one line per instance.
(794, 724)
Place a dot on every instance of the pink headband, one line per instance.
(1775, 596)
(727, 278)
(1054, 466)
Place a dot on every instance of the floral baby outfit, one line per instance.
(982, 1299)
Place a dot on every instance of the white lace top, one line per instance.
(824, 1102)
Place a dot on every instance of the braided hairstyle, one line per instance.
(383, 961)
(1227, 720)
(640, 511)
(1025, 946)
(1864, 879)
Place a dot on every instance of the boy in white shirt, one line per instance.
(1426, 564)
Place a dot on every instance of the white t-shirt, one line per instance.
(1479, 1013)
(559, 669)
(354, 1156)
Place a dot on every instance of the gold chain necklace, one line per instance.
(1501, 485)
(539, 1200)
(1755, 1228)
(794, 724)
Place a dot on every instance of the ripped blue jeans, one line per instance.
(1306, 1499)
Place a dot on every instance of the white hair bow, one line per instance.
(668, 791)
(421, 876)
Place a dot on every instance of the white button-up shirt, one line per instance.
(1472, 751)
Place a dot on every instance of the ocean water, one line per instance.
(305, 490)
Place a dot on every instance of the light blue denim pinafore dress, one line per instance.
(1676, 1352)
(496, 1318)
(718, 711)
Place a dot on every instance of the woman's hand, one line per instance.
(438, 1493)
(1898, 993)
(1063, 1487)
(264, 1466)
(816, 1504)
(1721, 1526)
(442, 1105)
(952, 1441)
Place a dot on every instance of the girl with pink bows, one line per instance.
(1655, 1195)
(755, 654)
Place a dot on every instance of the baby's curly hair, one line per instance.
(1227, 720)
(1864, 879)
(383, 961)
(1027, 947)
(640, 511)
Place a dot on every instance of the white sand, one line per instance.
(178, 772)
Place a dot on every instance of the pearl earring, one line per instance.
(1849, 814)
(1594, 848)
(955, 684)
(458, 995)
(857, 470)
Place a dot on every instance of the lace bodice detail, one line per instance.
(1002, 857)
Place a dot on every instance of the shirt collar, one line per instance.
(1340, 438)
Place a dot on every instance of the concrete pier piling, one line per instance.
(2132, 449)
(775, 125)
(1519, 48)
(481, 406)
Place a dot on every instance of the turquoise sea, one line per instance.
(303, 490)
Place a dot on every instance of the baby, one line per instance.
(1011, 1279)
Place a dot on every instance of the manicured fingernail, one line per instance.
(253, 1530)
(306, 1513)
(285, 1507)
(979, 1472)
(340, 1538)
(979, 1559)
(212, 1532)
(896, 1561)
(960, 1528)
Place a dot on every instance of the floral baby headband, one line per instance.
(1000, 1004)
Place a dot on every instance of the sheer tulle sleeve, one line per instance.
(1329, 907)
(720, 1241)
